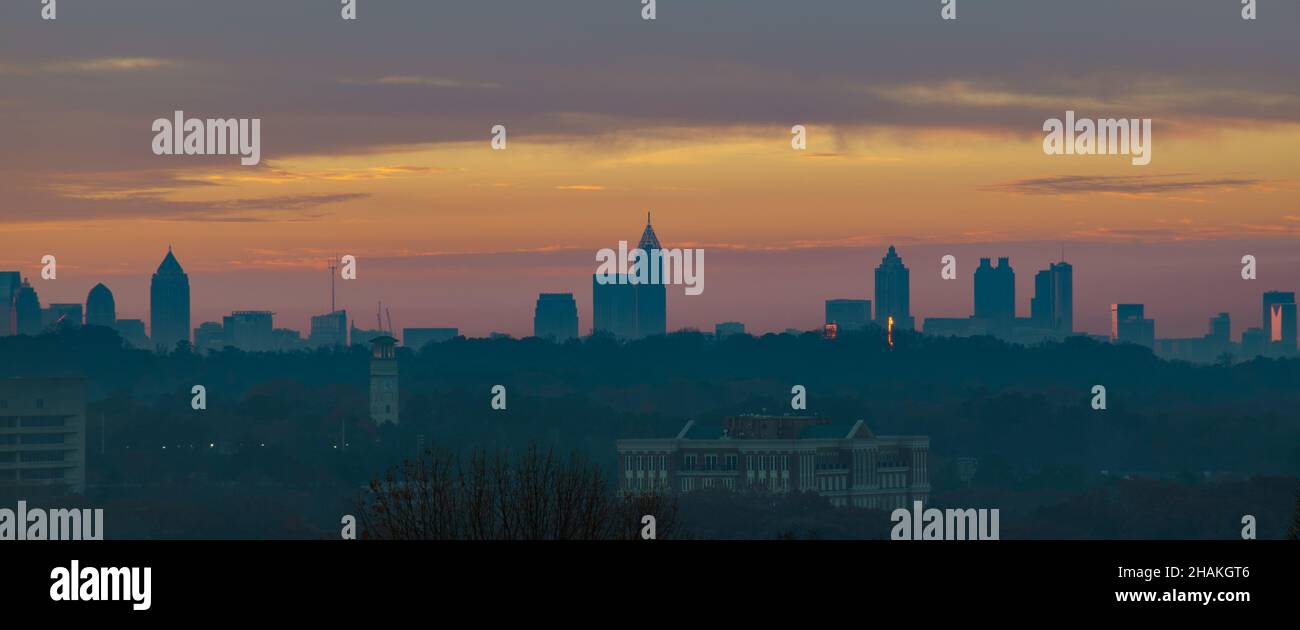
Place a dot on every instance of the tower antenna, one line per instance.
(332, 268)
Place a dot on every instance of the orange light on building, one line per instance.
(830, 331)
(890, 330)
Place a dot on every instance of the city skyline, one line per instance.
(1023, 314)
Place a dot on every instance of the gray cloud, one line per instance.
(1118, 184)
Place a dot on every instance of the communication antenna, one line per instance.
(332, 267)
(390, 321)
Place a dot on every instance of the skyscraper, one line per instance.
(27, 310)
(614, 307)
(651, 298)
(1053, 303)
(848, 314)
(556, 317)
(169, 304)
(101, 309)
(1128, 324)
(250, 331)
(893, 292)
(1279, 320)
(10, 282)
(329, 330)
(995, 290)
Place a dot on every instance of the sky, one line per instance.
(922, 133)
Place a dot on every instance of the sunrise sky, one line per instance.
(922, 133)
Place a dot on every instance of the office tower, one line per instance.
(555, 317)
(893, 292)
(101, 309)
(43, 436)
(61, 316)
(27, 310)
(1128, 324)
(250, 331)
(132, 332)
(209, 336)
(383, 380)
(614, 307)
(1052, 306)
(1279, 320)
(1220, 329)
(995, 290)
(418, 338)
(848, 314)
(651, 298)
(329, 330)
(727, 329)
(10, 282)
(169, 304)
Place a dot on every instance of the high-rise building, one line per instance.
(418, 338)
(1052, 306)
(1128, 324)
(727, 329)
(614, 307)
(1220, 330)
(27, 310)
(848, 314)
(10, 282)
(209, 337)
(556, 317)
(893, 292)
(995, 290)
(250, 331)
(383, 380)
(329, 330)
(169, 304)
(101, 309)
(43, 435)
(651, 298)
(1279, 321)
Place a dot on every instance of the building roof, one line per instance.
(169, 264)
(649, 240)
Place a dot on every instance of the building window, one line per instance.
(688, 462)
(388, 409)
(730, 462)
(40, 403)
(628, 459)
(710, 462)
(785, 462)
(663, 462)
(639, 465)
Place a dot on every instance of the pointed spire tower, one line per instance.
(651, 299)
(169, 304)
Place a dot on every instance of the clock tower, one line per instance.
(383, 380)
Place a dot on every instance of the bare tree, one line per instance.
(534, 495)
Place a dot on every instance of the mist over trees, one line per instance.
(283, 423)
